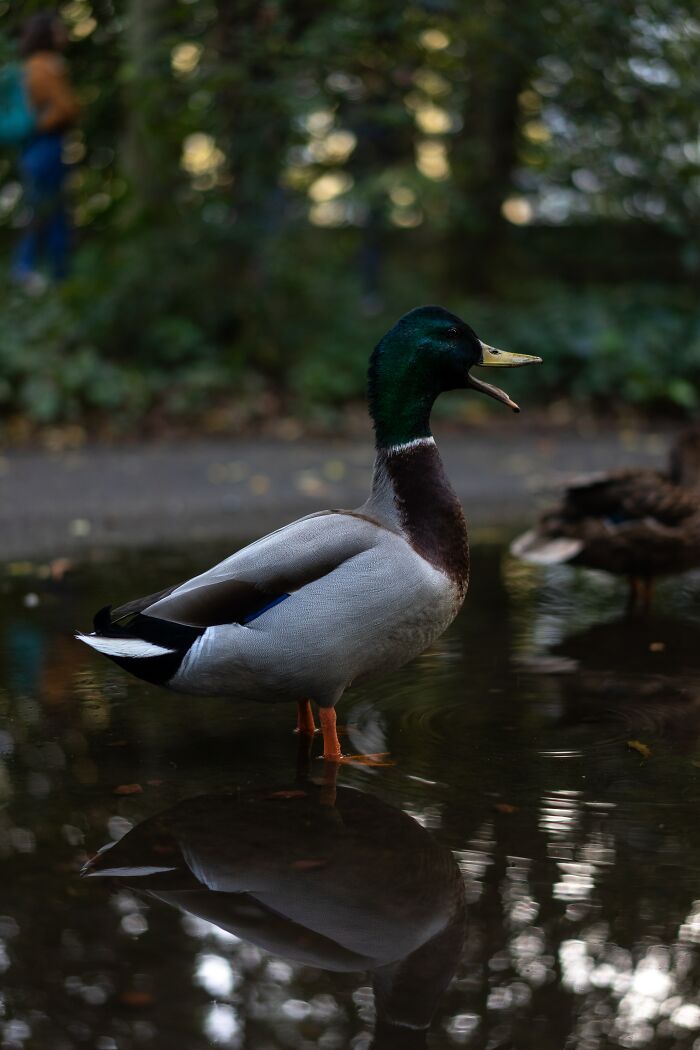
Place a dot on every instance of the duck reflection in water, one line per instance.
(643, 676)
(326, 876)
(626, 697)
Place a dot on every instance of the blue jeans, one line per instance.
(43, 175)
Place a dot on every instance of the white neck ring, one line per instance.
(408, 445)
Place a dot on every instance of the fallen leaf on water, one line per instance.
(237, 470)
(80, 527)
(630, 438)
(334, 469)
(20, 568)
(643, 749)
(505, 807)
(657, 647)
(216, 473)
(128, 789)
(309, 483)
(259, 484)
(519, 463)
(59, 567)
(134, 998)
(308, 865)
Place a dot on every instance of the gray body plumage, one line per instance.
(361, 600)
(379, 607)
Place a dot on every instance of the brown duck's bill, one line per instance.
(492, 358)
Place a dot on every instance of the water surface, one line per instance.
(545, 750)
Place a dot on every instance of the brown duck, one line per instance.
(635, 523)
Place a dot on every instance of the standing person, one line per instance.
(43, 170)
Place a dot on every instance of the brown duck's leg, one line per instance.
(647, 593)
(305, 718)
(633, 596)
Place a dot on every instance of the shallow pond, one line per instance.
(546, 763)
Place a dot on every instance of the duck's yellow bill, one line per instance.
(493, 358)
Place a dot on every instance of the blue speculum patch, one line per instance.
(259, 612)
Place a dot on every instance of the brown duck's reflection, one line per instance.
(636, 645)
(324, 876)
(642, 674)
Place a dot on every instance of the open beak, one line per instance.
(492, 358)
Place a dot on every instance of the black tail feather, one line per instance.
(177, 637)
(102, 620)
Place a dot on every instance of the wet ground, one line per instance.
(546, 765)
(69, 501)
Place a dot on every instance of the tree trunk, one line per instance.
(486, 155)
(150, 157)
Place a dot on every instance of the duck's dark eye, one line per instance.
(452, 333)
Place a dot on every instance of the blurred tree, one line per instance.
(249, 176)
(500, 57)
(618, 96)
(150, 158)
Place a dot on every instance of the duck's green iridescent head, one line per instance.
(428, 351)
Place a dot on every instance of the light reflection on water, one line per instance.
(546, 742)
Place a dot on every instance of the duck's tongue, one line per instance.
(492, 391)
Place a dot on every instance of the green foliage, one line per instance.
(260, 189)
(75, 359)
(634, 346)
(631, 346)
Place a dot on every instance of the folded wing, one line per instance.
(262, 574)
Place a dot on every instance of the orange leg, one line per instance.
(305, 718)
(331, 744)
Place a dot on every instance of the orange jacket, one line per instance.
(50, 92)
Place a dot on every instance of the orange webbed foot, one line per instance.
(377, 760)
(331, 745)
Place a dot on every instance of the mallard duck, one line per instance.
(351, 886)
(635, 523)
(339, 594)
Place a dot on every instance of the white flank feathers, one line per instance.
(541, 550)
(134, 647)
